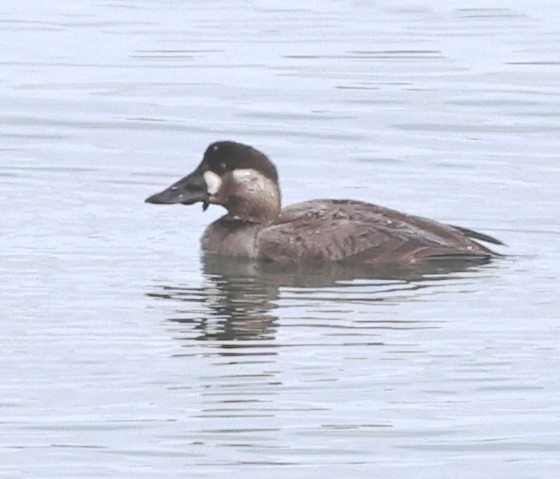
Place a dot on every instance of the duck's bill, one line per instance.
(187, 191)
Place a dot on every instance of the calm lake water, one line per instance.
(124, 355)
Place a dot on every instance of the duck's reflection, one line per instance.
(238, 298)
(233, 302)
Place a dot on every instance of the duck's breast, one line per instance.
(231, 238)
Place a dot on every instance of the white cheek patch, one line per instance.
(252, 179)
(253, 183)
(213, 182)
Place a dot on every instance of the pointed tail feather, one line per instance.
(478, 236)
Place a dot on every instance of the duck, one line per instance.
(244, 181)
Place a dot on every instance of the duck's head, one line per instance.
(238, 177)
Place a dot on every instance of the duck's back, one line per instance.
(354, 231)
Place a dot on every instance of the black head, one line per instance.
(231, 174)
(223, 156)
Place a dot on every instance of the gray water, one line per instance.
(123, 354)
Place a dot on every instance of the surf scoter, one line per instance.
(245, 182)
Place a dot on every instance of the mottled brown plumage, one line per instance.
(354, 231)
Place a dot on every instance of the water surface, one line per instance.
(124, 354)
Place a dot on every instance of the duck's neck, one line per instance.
(255, 203)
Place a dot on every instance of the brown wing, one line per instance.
(344, 230)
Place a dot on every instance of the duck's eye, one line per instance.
(221, 167)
